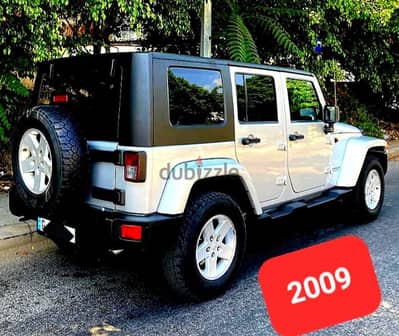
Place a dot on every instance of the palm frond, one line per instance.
(290, 12)
(280, 34)
(240, 43)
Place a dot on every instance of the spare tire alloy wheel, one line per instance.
(35, 161)
(216, 247)
(49, 158)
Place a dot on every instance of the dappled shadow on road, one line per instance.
(264, 241)
(129, 290)
(140, 274)
(296, 232)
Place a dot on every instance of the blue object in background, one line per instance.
(318, 48)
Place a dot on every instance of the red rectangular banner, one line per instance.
(320, 286)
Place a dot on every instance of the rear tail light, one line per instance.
(131, 232)
(60, 99)
(135, 166)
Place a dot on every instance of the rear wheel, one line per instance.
(369, 191)
(209, 247)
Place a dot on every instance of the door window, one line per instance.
(304, 103)
(256, 98)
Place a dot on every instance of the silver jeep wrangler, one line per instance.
(125, 150)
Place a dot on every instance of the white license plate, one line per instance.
(41, 224)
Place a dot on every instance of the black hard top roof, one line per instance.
(182, 58)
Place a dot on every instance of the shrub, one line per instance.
(355, 112)
(360, 118)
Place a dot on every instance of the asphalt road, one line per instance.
(44, 291)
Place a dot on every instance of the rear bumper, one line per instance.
(155, 228)
(102, 228)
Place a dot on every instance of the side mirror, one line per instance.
(331, 114)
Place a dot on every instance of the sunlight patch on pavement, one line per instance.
(104, 330)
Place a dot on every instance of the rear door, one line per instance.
(259, 129)
(309, 148)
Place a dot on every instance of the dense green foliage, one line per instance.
(29, 33)
(92, 22)
(366, 122)
(241, 45)
(176, 27)
(361, 37)
(263, 19)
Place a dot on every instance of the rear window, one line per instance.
(94, 89)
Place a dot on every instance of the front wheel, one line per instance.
(209, 247)
(369, 191)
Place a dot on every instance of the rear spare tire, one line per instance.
(49, 156)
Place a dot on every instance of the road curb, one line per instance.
(393, 151)
(20, 240)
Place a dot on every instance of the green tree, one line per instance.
(360, 37)
(176, 27)
(29, 33)
(92, 22)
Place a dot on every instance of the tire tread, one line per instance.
(174, 259)
(72, 156)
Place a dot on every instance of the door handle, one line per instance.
(250, 140)
(296, 136)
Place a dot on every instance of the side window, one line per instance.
(195, 97)
(256, 98)
(304, 104)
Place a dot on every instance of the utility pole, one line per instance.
(335, 90)
(335, 83)
(206, 29)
